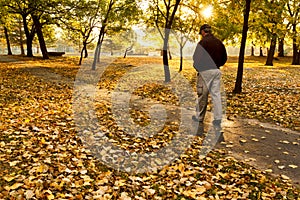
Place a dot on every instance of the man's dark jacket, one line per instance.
(210, 53)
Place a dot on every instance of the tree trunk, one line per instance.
(101, 35)
(181, 58)
(9, 52)
(21, 38)
(22, 48)
(165, 56)
(271, 52)
(170, 54)
(239, 77)
(261, 54)
(252, 50)
(295, 47)
(127, 49)
(168, 26)
(81, 56)
(86, 54)
(38, 28)
(280, 47)
(296, 55)
(29, 37)
(98, 49)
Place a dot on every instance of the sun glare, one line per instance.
(207, 12)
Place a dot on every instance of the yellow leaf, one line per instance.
(2, 144)
(16, 186)
(8, 178)
(190, 193)
(43, 141)
(13, 163)
(120, 183)
(29, 194)
(201, 189)
(293, 166)
(7, 188)
(50, 196)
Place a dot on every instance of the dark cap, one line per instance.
(206, 28)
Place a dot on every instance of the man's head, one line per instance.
(205, 29)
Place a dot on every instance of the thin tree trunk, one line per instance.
(86, 54)
(170, 54)
(280, 47)
(296, 55)
(168, 26)
(100, 47)
(101, 35)
(261, 54)
(81, 56)
(252, 51)
(165, 56)
(38, 28)
(181, 58)
(29, 37)
(271, 52)
(9, 52)
(127, 49)
(295, 47)
(21, 38)
(98, 50)
(239, 77)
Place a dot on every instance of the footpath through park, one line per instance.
(265, 146)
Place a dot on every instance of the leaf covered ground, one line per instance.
(41, 156)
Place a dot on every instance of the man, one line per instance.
(210, 54)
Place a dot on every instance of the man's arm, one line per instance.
(224, 55)
(196, 56)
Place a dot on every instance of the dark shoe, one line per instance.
(220, 137)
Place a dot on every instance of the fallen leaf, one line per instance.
(293, 166)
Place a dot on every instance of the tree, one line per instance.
(81, 20)
(116, 15)
(9, 52)
(269, 20)
(239, 77)
(38, 28)
(163, 17)
(228, 20)
(185, 26)
(5, 24)
(128, 37)
(281, 47)
(24, 10)
(293, 9)
(35, 14)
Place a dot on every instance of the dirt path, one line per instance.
(265, 146)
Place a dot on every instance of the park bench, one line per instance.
(52, 53)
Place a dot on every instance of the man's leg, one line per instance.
(217, 105)
(202, 92)
(216, 96)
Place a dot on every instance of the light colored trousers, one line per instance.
(209, 82)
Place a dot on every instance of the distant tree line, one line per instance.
(263, 24)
